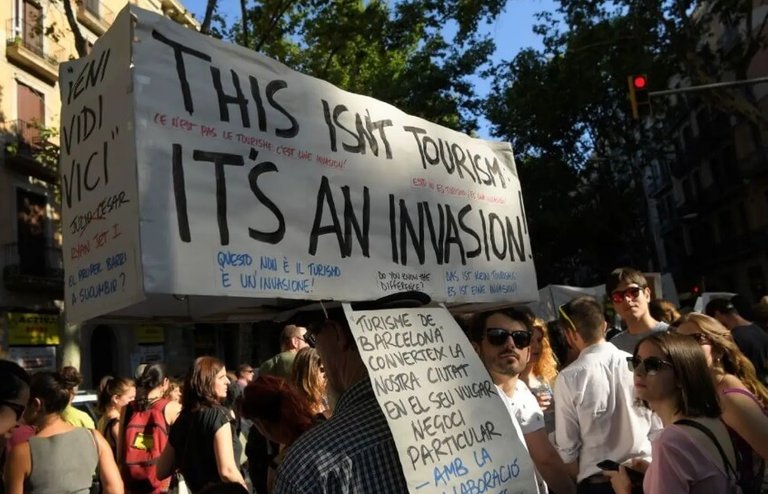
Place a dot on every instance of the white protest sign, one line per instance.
(100, 200)
(452, 431)
(258, 182)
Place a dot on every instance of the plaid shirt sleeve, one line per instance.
(353, 452)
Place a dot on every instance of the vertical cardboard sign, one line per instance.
(453, 433)
(99, 195)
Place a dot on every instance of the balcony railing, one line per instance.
(95, 15)
(26, 152)
(33, 267)
(28, 46)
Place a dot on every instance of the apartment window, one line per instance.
(31, 231)
(30, 109)
(32, 26)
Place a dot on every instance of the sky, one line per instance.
(512, 32)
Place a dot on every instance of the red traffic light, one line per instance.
(696, 289)
(639, 81)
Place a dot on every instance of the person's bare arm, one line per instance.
(225, 456)
(549, 464)
(18, 466)
(166, 462)
(743, 415)
(111, 482)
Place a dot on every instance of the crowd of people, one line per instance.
(674, 403)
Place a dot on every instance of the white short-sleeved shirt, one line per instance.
(525, 411)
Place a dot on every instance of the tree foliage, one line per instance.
(397, 52)
(565, 107)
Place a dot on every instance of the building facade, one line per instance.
(32, 331)
(709, 201)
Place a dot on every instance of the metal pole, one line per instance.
(704, 87)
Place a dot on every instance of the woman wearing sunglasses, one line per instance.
(693, 453)
(14, 393)
(743, 399)
(60, 457)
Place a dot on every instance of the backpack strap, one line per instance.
(730, 470)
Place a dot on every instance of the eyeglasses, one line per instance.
(309, 338)
(498, 337)
(618, 296)
(561, 310)
(17, 408)
(650, 365)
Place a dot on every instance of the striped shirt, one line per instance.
(353, 452)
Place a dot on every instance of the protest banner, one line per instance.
(452, 432)
(204, 181)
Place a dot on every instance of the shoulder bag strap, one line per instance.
(696, 425)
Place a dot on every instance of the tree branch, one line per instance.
(81, 45)
(244, 13)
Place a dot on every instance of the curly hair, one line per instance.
(307, 377)
(724, 348)
(546, 366)
(272, 399)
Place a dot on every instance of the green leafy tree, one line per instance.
(397, 52)
(566, 106)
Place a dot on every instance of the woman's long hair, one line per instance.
(696, 397)
(199, 386)
(546, 366)
(307, 376)
(725, 350)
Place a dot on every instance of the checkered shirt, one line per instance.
(352, 453)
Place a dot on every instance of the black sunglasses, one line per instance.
(309, 338)
(498, 337)
(651, 365)
(17, 409)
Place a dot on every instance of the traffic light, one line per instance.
(639, 99)
(696, 290)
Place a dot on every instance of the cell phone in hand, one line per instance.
(634, 475)
(608, 465)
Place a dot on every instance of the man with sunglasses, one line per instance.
(502, 339)
(595, 414)
(628, 290)
(292, 339)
